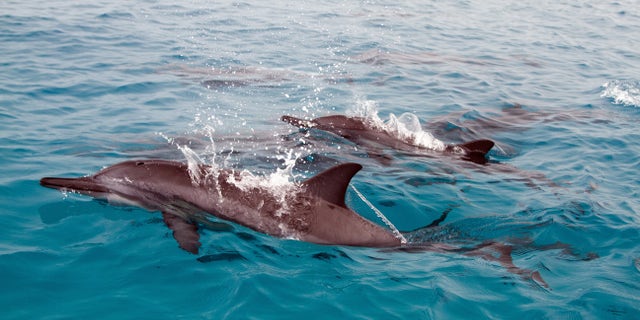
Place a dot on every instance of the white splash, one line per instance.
(406, 127)
(278, 183)
(625, 93)
(193, 159)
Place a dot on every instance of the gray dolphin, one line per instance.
(314, 212)
(357, 129)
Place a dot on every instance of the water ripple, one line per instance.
(623, 92)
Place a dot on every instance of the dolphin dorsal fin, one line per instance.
(331, 184)
(481, 146)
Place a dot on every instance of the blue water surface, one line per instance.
(556, 84)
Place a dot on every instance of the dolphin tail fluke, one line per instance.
(184, 232)
(300, 123)
(82, 185)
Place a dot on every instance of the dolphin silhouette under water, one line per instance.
(359, 131)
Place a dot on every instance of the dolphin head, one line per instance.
(128, 181)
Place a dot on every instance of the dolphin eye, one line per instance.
(139, 163)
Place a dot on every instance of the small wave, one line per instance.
(405, 127)
(626, 93)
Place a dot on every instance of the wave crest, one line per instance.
(625, 93)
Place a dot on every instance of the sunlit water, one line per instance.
(555, 84)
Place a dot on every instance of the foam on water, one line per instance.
(405, 127)
(622, 92)
(279, 183)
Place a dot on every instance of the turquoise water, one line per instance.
(556, 85)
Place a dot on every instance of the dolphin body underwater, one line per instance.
(361, 132)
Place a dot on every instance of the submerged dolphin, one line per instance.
(315, 211)
(358, 130)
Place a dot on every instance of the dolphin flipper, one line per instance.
(186, 233)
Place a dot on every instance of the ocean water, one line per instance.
(556, 84)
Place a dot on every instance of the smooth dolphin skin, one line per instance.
(315, 211)
(357, 129)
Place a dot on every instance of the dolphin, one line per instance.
(359, 131)
(315, 211)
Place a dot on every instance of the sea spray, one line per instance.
(279, 183)
(406, 127)
(194, 161)
(626, 93)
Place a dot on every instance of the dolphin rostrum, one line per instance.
(361, 132)
(314, 211)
